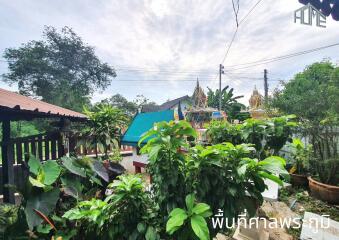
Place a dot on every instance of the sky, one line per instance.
(160, 47)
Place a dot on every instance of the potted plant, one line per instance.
(104, 130)
(325, 184)
(300, 154)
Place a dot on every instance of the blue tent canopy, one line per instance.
(143, 122)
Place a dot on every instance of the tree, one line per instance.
(229, 102)
(129, 107)
(119, 101)
(61, 69)
(308, 94)
(141, 101)
(312, 95)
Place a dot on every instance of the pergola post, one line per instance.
(7, 162)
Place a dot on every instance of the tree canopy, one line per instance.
(129, 107)
(312, 94)
(60, 69)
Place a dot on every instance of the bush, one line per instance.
(223, 176)
(268, 136)
(126, 213)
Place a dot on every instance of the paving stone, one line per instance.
(316, 227)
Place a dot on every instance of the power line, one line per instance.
(236, 31)
(233, 37)
(278, 58)
(184, 80)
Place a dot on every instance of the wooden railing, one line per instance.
(44, 147)
(76, 145)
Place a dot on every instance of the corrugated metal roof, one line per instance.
(25, 104)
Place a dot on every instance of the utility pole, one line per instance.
(221, 71)
(265, 85)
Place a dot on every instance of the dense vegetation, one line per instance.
(70, 197)
(312, 95)
(61, 69)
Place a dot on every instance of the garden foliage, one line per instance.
(71, 197)
(224, 176)
(268, 135)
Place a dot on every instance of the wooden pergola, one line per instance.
(16, 107)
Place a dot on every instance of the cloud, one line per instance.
(175, 41)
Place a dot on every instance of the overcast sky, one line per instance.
(175, 41)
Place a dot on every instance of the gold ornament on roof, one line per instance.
(199, 97)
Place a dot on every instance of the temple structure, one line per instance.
(199, 97)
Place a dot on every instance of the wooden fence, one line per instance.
(44, 146)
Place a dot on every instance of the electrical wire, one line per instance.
(236, 31)
(279, 58)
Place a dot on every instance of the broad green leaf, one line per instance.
(201, 208)
(70, 166)
(189, 201)
(175, 222)
(34, 164)
(151, 233)
(153, 154)
(199, 227)
(72, 186)
(99, 169)
(51, 171)
(35, 182)
(274, 165)
(44, 202)
(242, 170)
(177, 211)
(271, 177)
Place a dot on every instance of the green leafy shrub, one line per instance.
(268, 136)
(128, 213)
(167, 162)
(223, 131)
(300, 156)
(224, 176)
(105, 126)
(53, 187)
(8, 216)
(189, 223)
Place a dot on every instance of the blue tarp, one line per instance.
(143, 122)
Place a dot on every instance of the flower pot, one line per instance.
(299, 180)
(325, 192)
